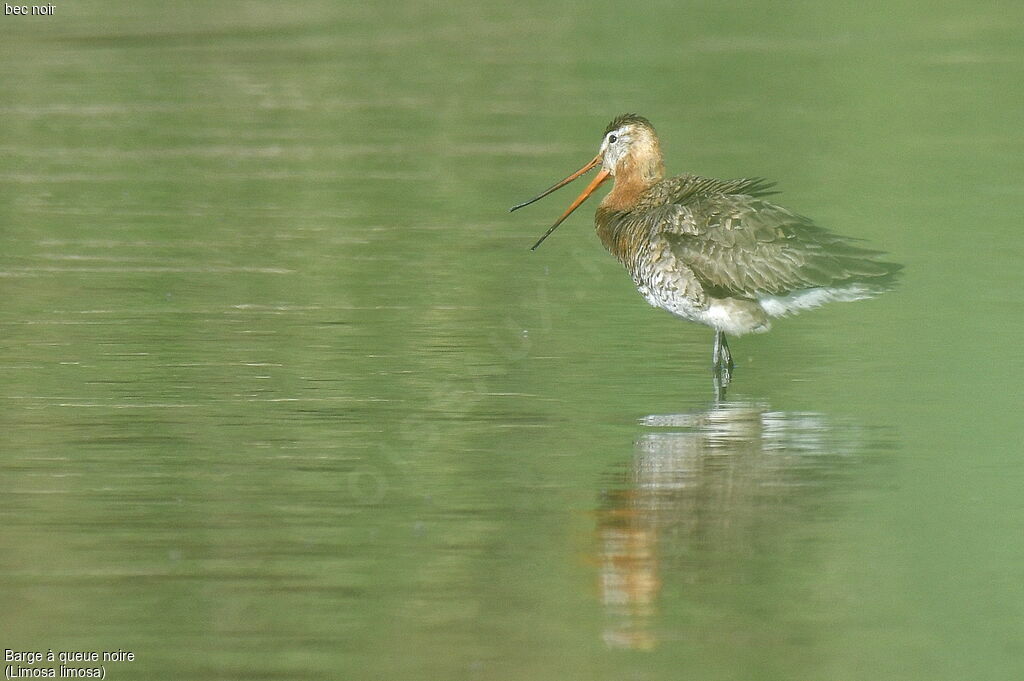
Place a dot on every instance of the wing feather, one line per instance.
(738, 244)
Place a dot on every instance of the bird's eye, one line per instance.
(613, 138)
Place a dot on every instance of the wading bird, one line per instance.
(715, 251)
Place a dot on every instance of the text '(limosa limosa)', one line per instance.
(715, 251)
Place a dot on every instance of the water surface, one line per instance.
(284, 394)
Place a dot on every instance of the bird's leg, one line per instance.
(721, 357)
(722, 365)
(720, 381)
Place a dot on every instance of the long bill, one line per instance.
(559, 185)
(597, 181)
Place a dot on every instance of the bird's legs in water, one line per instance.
(721, 356)
(721, 365)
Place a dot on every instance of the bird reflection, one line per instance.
(705, 497)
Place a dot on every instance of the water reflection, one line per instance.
(707, 498)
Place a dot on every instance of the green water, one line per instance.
(284, 395)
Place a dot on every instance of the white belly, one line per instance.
(738, 316)
(734, 316)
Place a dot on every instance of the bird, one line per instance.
(716, 252)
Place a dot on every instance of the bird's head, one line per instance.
(629, 151)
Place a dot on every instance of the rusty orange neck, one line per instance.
(634, 174)
(619, 234)
(622, 237)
